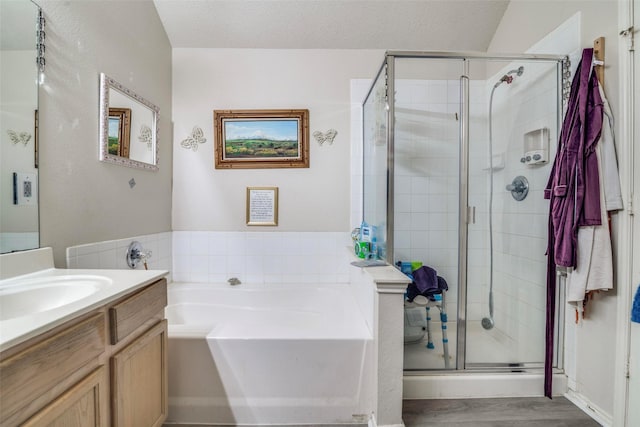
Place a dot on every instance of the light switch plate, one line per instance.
(25, 188)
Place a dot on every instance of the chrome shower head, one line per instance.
(518, 72)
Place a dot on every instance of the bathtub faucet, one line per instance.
(136, 255)
(234, 281)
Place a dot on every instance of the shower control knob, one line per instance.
(537, 157)
(528, 158)
(522, 160)
(519, 188)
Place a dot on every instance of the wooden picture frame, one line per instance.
(262, 205)
(255, 139)
(119, 131)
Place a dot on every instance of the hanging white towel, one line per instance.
(594, 263)
(609, 169)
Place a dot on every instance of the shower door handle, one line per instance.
(471, 214)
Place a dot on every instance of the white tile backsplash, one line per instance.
(200, 256)
(111, 254)
(261, 257)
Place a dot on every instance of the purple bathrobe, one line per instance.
(573, 187)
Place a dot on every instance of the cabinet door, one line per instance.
(139, 380)
(83, 405)
(27, 379)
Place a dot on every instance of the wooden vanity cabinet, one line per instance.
(139, 364)
(139, 380)
(84, 404)
(73, 375)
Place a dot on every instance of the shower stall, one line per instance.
(457, 152)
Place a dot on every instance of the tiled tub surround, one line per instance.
(214, 257)
(261, 257)
(111, 254)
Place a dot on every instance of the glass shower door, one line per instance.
(426, 199)
(513, 119)
(375, 158)
(450, 144)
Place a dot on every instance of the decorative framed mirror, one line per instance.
(128, 127)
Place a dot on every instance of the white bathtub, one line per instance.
(269, 354)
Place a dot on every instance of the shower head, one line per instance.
(508, 78)
(518, 72)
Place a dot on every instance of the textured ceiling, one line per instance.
(332, 24)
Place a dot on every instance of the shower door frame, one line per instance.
(388, 65)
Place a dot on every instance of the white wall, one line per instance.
(527, 21)
(634, 350)
(83, 200)
(313, 199)
(524, 22)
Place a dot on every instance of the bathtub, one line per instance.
(268, 354)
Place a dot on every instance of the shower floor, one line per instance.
(483, 347)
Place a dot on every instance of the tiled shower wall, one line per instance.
(520, 227)
(426, 176)
(426, 196)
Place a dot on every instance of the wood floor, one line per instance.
(506, 412)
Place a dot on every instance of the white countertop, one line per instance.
(19, 329)
(386, 277)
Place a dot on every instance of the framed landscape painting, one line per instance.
(261, 139)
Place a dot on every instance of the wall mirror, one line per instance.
(19, 226)
(128, 127)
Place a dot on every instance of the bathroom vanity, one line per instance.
(99, 361)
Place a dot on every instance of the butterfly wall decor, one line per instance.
(15, 137)
(193, 140)
(325, 137)
(146, 135)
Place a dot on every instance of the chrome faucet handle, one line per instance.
(136, 254)
(234, 281)
(519, 188)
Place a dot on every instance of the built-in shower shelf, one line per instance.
(497, 163)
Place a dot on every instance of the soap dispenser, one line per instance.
(536, 147)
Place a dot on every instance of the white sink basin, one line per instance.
(29, 296)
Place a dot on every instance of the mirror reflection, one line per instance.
(18, 125)
(119, 131)
(128, 127)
